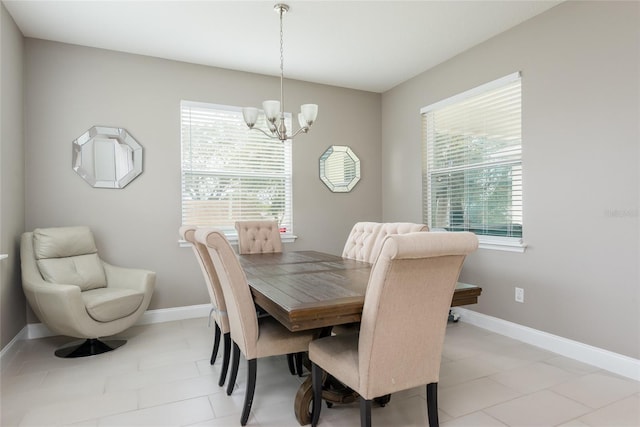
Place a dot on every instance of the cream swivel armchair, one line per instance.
(403, 322)
(255, 338)
(365, 239)
(219, 308)
(74, 293)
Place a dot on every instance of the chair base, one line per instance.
(89, 347)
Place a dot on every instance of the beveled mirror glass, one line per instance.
(107, 157)
(339, 168)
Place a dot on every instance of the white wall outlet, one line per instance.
(519, 295)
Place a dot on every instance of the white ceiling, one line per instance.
(367, 45)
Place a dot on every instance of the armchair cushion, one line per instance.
(84, 271)
(108, 304)
(62, 242)
(68, 255)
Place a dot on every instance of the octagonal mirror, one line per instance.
(339, 168)
(107, 157)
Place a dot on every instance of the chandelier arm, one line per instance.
(303, 130)
(275, 135)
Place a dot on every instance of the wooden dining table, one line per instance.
(308, 290)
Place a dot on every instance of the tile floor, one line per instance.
(162, 377)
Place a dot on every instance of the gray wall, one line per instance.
(581, 94)
(581, 136)
(12, 301)
(71, 88)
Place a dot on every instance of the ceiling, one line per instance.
(367, 45)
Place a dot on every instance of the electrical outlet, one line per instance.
(519, 295)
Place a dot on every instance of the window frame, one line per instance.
(286, 175)
(487, 241)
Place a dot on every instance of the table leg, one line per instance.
(302, 403)
(332, 392)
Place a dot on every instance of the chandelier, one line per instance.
(274, 110)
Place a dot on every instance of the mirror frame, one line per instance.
(119, 135)
(339, 152)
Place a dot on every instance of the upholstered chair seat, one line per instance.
(75, 293)
(107, 305)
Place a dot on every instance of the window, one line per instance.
(230, 173)
(472, 163)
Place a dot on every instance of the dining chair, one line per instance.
(403, 323)
(255, 237)
(252, 336)
(364, 244)
(365, 239)
(219, 308)
(258, 237)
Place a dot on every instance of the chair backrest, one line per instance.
(365, 240)
(188, 233)
(406, 309)
(241, 309)
(255, 237)
(68, 255)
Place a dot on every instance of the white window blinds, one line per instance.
(230, 173)
(472, 165)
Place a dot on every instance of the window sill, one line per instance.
(507, 244)
(233, 239)
(496, 243)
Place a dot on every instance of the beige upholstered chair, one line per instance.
(364, 244)
(256, 237)
(403, 322)
(254, 337)
(365, 240)
(74, 293)
(219, 308)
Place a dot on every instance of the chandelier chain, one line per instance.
(281, 62)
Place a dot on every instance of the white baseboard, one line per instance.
(175, 313)
(604, 359)
(8, 351)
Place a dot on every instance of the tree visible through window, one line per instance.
(230, 173)
(472, 165)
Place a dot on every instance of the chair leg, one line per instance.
(216, 344)
(365, 412)
(316, 378)
(290, 361)
(251, 388)
(234, 369)
(225, 358)
(432, 404)
(298, 359)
